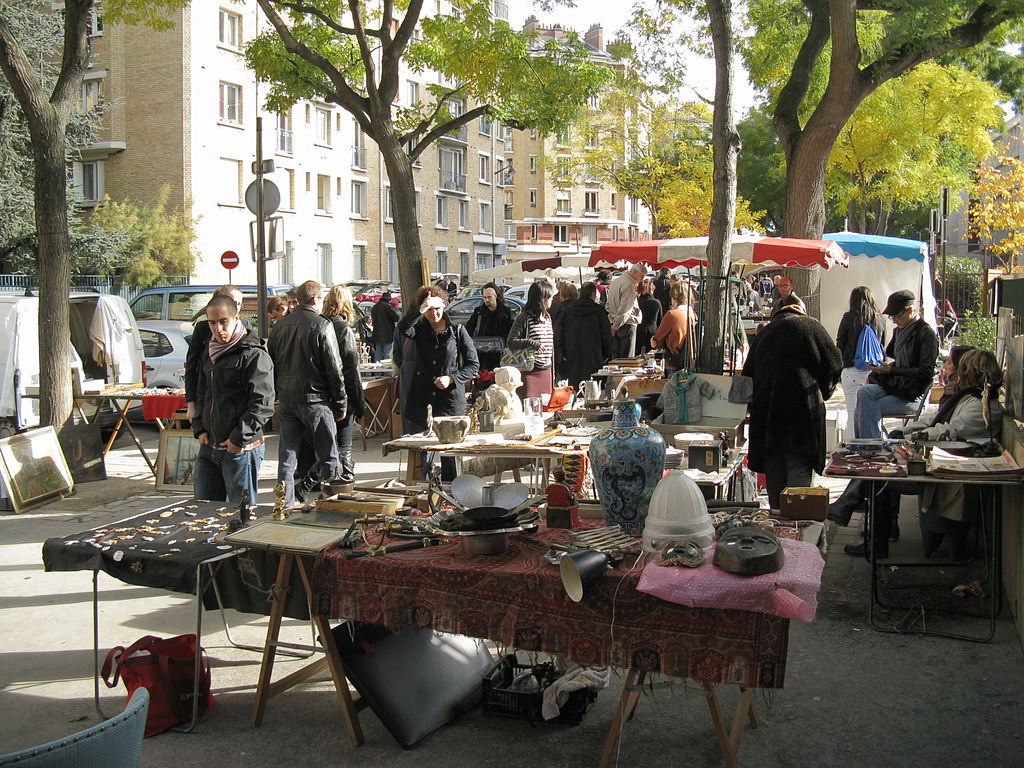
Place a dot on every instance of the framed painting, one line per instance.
(175, 460)
(33, 469)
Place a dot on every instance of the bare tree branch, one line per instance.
(74, 58)
(348, 98)
(792, 95)
(452, 125)
(393, 52)
(318, 14)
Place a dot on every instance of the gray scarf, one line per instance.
(218, 348)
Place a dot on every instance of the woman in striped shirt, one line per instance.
(532, 330)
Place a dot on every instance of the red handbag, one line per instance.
(167, 669)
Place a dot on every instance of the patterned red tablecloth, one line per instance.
(517, 598)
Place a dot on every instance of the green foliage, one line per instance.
(156, 241)
(913, 135)
(761, 168)
(978, 331)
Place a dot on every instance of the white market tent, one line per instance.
(885, 265)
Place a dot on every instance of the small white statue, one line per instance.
(501, 397)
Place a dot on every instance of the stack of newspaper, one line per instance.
(945, 464)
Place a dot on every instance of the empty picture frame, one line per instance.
(33, 469)
(176, 459)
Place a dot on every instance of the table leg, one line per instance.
(284, 572)
(729, 740)
(348, 708)
(628, 701)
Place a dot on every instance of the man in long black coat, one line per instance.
(795, 366)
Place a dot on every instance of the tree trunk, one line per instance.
(54, 269)
(804, 215)
(726, 147)
(404, 214)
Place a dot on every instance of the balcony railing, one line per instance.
(358, 156)
(459, 134)
(452, 181)
(501, 10)
(284, 140)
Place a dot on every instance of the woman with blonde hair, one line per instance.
(673, 334)
(340, 310)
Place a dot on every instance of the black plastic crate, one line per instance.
(501, 701)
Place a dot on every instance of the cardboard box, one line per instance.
(718, 414)
(804, 503)
(644, 385)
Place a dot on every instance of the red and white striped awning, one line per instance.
(750, 250)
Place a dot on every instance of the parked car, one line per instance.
(105, 348)
(371, 291)
(165, 349)
(461, 310)
(182, 302)
(517, 292)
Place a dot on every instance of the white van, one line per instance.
(105, 349)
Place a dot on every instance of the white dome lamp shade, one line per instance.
(677, 513)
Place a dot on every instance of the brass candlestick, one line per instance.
(279, 503)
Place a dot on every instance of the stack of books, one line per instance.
(945, 464)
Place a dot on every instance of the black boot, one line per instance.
(852, 499)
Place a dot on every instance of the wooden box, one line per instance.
(804, 503)
(718, 414)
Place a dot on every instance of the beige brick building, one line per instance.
(181, 110)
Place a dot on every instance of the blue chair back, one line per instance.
(114, 743)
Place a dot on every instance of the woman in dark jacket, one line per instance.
(795, 367)
(863, 311)
(570, 294)
(650, 316)
(338, 308)
(586, 335)
(492, 318)
(443, 360)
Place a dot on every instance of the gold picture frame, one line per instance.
(176, 460)
(34, 469)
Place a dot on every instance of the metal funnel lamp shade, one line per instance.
(580, 569)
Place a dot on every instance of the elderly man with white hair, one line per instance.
(624, 310)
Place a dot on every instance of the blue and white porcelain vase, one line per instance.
(627, 460)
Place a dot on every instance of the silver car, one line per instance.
(165, 346)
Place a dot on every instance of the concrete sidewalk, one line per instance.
(852, 697)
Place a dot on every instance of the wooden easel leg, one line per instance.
(730, 741)
(628, 702)
(284, 572)
(348, 708)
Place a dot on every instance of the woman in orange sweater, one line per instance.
(673, 334)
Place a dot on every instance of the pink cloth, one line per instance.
(791, 593)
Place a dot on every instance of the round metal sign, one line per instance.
(271, 198)
(229, 259)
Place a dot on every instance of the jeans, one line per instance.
(381, 351)
(782, 470)
(297, 420)
(853, 379)
(347, 473)
(623, 341)
(223, 476)
(873, 403)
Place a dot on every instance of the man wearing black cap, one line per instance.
(897, 388)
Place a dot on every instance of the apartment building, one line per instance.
(555, 208)
(182, 110)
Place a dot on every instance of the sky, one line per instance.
(612, 16)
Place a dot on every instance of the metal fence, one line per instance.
(110, 284)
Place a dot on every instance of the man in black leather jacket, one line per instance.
(310, 386)
(234, 391)
(897, 388)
